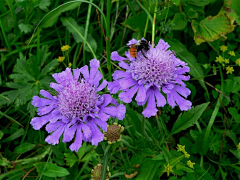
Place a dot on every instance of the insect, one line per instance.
(141, 45)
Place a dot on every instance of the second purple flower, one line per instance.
(150, 75)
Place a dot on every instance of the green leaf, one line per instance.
(51, 170)
(199, 2)
(14, 136)
(70, 158)
(235, 114)
(24, 148)
(183, 168)
(78, 34)
(133, 24)
(199, 173)
(176, 2)
(44, 4)
(51, 18)
(189, 118)
(179, 21)
(235, 4)
(1, 135)
(26, 28)
(212, 28)
(148, 170)
(195, 69)
(236, 153)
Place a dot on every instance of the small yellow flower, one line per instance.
(219, 59)
(168, 169)
(69, 64)
(223, 48)
(238, 146)
(186, 154)
(229, 70)
(181, 148)
(61, 58)
(231, 53)
(65, 48)
(238, 61)
(190, 164)
(226, 61)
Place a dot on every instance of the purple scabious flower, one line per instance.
(77, 111)
(148, 78)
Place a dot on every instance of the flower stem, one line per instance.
(105, 162)
(108, 40)
(153, 26)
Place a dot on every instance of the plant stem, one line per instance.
(153, 26)
(108, 40)
(105, 162)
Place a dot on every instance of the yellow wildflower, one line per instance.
(190, 164)
(61, 58)
(238, 61)
(238, 146)
(229, 70)
(181, 148)
(69, 64)
(231, 53)
(226, 61)
(219, 59)
(223, 48)
(168, 169)
(186, 154)
(65, 48)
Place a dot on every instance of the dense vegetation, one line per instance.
(42, 37)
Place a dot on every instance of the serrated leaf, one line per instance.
(44, 4)
(51, 18)
(235, 114)
(78, 34)
(195, 69)
(70, 158)
(24, 148)
(188, 119)
(148, 170)
(212, 28)
(26, 28)
(51, 170)
(179, 21)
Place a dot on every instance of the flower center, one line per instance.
(77, 100)
(158, 69)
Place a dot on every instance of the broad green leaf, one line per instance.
(189, 118)
(70, 158)
(51, 18)
(199, 2)
(184, 168)
(148, 170)
(195, 69)
(235, 4)
(24, 148)
(51, 170)
(133, 24)
(26, 28)
(179, 21)
(14, 136)
(211, 28)
(176, 2)
(235, 114)
(78, 34)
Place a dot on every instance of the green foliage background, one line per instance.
(32, 34)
